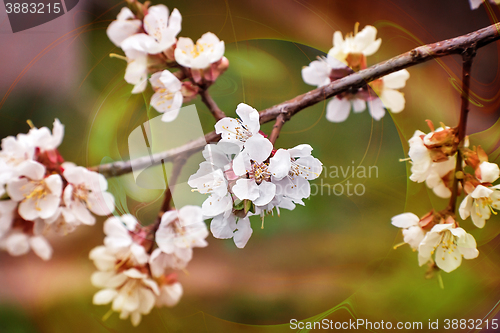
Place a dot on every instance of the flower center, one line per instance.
(259, 172)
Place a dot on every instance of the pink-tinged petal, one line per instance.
(169, 217)
(101, 203)
(317, 73)
(221, 227)
(28, 210)
(32, 170)
(7, 209)
(75, 175)
(405, 220)
(41, 247)
(376, 108)
(170, 295)
(134, 274)
(118, 31)
(104, 296)
(190, 215)
(139, 253)
(474, 4)
(81, 213)
(157, 263)
(280, 164)
(246, 189)
(358, 105)
(147, 299)
(18, 189)
(117, 234)
(54, 184)
(17, 244)
(258, 148)
(174, 22)
(338, 110)
(125, 14)
(243, 233)
(182, 49)
(47, 206)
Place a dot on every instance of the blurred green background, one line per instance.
(334, 256)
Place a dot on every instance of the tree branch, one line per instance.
(280, 121)
(468, 56)
(291, 107)
(211, 105)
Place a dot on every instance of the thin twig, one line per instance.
(468, 57)
(416, 56)
(211, 105)
(280, 121)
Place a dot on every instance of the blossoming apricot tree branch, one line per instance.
(457, 45)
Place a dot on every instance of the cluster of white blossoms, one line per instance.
(137, 273)
(40, 192)
(244, 175)
(482, 197)
(345, 57)
(437, 239)
(434, 161)
(151, 46)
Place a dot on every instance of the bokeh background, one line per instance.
(332, 258)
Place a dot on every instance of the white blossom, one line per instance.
(388, 95)
(207, 50)
(123, 27)
(239, 130)
(39, 196)
(412, 232)
(449, 244)
(179, 232)
(136, 72)
(480, 203)
(160, 31)
(489, 172)
(362, 42)
(225, 227)
(131, 292)
(167, 98)
(86, 191)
